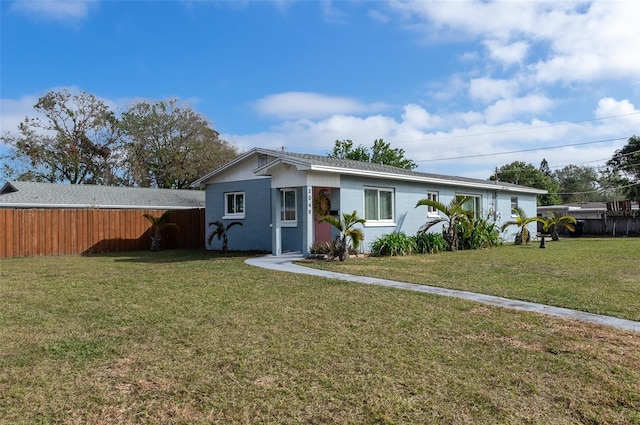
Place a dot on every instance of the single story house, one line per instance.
(279, 197)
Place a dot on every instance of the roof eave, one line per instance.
(265, 170)
(424, 179)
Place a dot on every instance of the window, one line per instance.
(473, 204)
(234, 205)
(514, 202)
(432, 196)
(262, 160)
(378, 205)
(288, 207)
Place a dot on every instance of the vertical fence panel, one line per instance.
(6, 234)
(33, 232)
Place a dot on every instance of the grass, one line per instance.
(186, 337)
(599, 276)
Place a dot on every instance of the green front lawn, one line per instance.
(186, 337)
(600, 276)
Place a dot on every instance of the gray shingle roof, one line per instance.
(387, 169)
(52, 195)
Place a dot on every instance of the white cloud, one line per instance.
(378, 16)
(427, 136)
(488, 89)
(507, 53)
(417, 117)
(600, 43)
(297, 105)
(14, 111)
(58, 10)
(507, 109)
(574, 41)
(332, 14)
(609, 106)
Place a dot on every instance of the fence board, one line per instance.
(35, 232)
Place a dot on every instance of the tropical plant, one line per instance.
(393, 244)
(348, 233)
(328, 249)
(430, 243)
(221, 233)
(482, 233)
(454, 215)
(158, 224)
(522, 222)
(555, 221)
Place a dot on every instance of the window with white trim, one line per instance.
(473, 204)
(288, 210)
(514, 203)
(378, 205)
(431, 211)
(234, 205)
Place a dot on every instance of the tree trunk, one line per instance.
(155, 242)
(518, 240)
(343, 252)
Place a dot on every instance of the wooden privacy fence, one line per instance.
(33, 232)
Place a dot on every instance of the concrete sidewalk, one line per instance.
(285, 263)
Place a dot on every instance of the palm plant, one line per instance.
(348, 233)
(221, 233)
(158, 224)
(522, 221)
(455, 216)
(554, 221)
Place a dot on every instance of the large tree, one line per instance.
(169, 145)
(625, 165)
(578, 184)
(521, 173)
(76, 140)
(380, 153)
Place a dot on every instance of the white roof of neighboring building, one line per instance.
(18, 194)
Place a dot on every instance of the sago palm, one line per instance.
(455, 216)
(555, 221)
(348, 233)
(522, 222)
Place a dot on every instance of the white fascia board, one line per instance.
(265, 170)
(447, 182)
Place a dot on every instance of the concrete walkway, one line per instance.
(285, 263)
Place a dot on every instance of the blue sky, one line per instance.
(463, 80)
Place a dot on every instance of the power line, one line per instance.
(520, 151)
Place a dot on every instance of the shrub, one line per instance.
(393, 244)
(430, 243)
(482, 233)
(330, 249)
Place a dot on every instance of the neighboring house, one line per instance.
(620, 218)
(18, 194)
(60, 219)
(279, 196)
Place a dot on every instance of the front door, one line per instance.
(321, 207)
